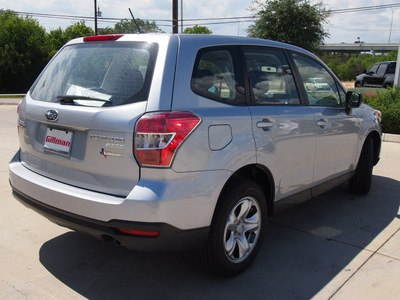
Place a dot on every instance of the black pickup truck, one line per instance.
(379, 75)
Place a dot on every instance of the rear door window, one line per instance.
(215, 76)
(391, 69)
(98, 74)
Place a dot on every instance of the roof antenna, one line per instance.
(134, 20)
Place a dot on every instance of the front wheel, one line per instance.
(387, 85)
(362, 179)
(237, 229)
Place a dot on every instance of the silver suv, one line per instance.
(185, 142)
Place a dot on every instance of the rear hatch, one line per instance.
(76, 125)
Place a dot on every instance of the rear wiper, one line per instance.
(71, 98)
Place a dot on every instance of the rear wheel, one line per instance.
(237, 229)
(362, 179)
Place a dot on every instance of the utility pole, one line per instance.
(174, 16)
(397, 73)
(181, 16)
(95, 17)
(391, 24)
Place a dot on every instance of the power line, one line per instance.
(41, 15)
(358, 29)
(199, 21)
(364, 8)
(223, 18)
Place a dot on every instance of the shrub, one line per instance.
(388, 102)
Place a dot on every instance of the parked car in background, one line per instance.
(379, 75)
(185, 142)
(314, 84)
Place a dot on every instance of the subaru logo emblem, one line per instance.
(51, 115)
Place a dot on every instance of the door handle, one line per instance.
(322, 123)
(265, 124)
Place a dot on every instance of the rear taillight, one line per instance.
(159, 135)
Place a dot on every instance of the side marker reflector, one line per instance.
(140, 232)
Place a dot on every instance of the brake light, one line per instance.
(159, 135)
(100, 38)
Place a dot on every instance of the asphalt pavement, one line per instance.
(336, 246)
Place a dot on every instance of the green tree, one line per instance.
(56, 40)
(23, 51)
(107, 30)
(129, 26)
(58, 37)
(198, 30)
(78, 29)
(297, 22)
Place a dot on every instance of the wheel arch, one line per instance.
(377, 143)
(258, 174)
(387, 84)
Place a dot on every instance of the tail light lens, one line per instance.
(159, 135)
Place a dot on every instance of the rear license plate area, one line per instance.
(58, 141)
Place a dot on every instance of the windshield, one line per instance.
(98, 74)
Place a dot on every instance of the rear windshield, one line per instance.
(98, 74)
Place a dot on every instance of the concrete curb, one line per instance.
(392, 138)
(10, 101)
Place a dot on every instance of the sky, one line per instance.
(369, 26)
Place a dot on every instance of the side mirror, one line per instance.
(353, 99)
(364, 72)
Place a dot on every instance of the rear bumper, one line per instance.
(175, 204)
(169, 239)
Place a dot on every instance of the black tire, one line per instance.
(362, 179)
(387, 85)
(239, 222)
(359, 84)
